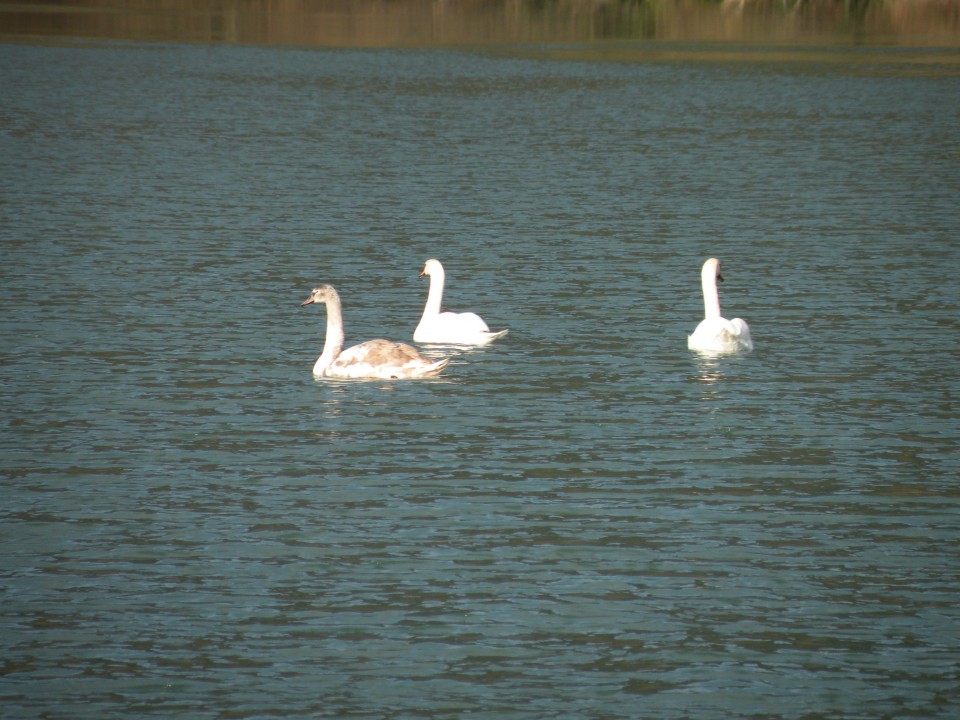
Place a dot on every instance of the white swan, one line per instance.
(715, 334)
(447, 327)
(372, 359)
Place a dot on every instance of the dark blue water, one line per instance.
(582, 520)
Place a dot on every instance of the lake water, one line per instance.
(584, 519)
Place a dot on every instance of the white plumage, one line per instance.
(447, 327)
(716, 334)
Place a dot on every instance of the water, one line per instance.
(582, 520)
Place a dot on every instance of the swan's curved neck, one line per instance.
(333, 343)
(435, 295)
(711, 296)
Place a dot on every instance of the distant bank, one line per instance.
(444, 23)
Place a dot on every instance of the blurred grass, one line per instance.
(423, 23)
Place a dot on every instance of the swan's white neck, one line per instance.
(711, 296)
(435, 295)
(333, 343)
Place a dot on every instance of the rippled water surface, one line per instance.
(582, 520)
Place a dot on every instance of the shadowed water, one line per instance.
(583, 519)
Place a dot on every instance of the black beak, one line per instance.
(719, 277)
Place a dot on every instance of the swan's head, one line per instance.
(431, 267)
(320, 294)
(711, 269)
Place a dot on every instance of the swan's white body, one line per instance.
(716, 334)
(372, 359)
(447, 327)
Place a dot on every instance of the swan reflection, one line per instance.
(710, 372)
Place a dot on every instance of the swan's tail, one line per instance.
(435, 368)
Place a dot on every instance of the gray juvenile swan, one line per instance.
(371, 359)
(447, 327)
(716, 334)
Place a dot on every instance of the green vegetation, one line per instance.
(485, 22)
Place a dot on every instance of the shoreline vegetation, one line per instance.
(452, 23)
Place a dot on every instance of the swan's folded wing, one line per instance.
(742, 331)
(455, 329)
(466, 322)
(384, 359)
(721, 336)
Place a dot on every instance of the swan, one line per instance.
(447, 327)
(371, 359)
(716, 334)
